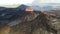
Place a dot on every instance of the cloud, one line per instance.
(11, 2)
(48, 1)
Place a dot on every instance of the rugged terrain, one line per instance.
(17, 21)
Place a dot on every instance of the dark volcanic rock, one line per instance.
(17, 21)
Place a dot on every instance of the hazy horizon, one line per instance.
(15, 3)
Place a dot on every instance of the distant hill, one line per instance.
(2, 8)
(10, 14)
(22, 7)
